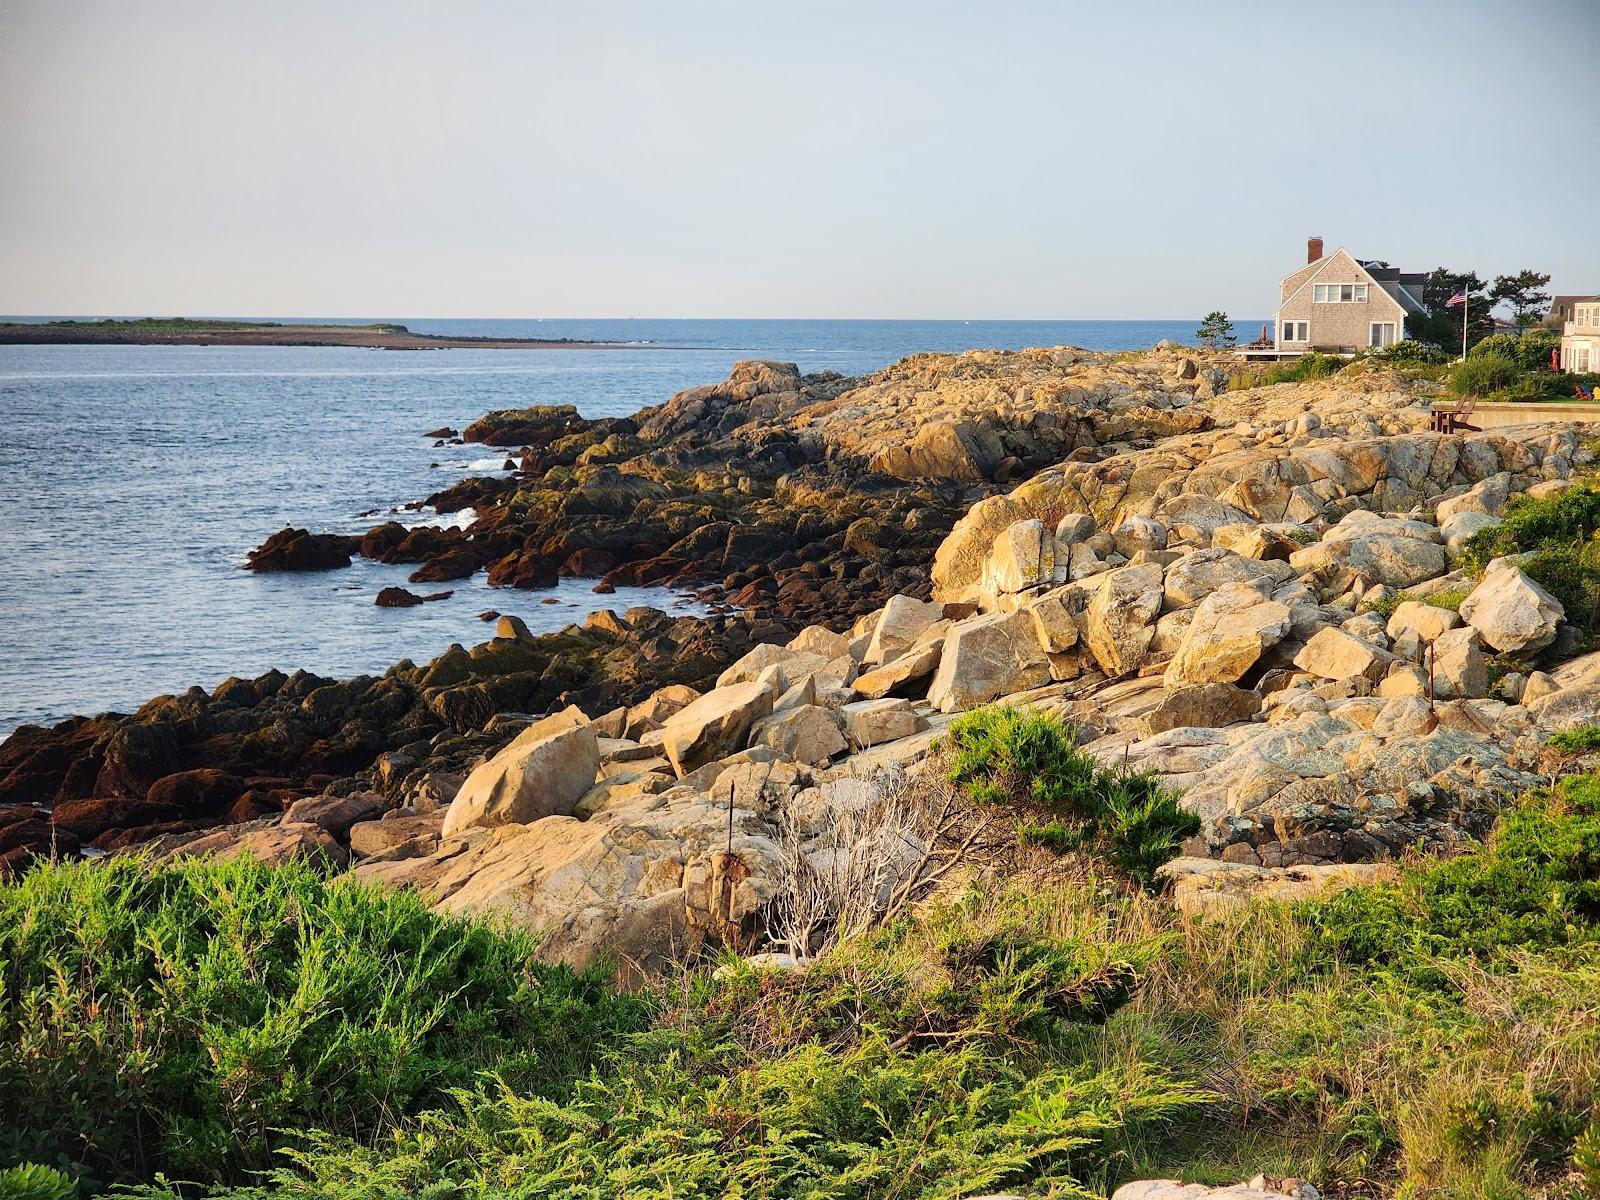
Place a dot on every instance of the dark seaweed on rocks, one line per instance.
(253, 746)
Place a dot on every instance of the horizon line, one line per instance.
(368, 317)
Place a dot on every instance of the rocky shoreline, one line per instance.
(1226, 587)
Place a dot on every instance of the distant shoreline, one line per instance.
(185, 332)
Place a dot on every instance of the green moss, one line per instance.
(1448, 598)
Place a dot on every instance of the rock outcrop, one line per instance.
(1511, 612)
(1229, 590)
(544, 772)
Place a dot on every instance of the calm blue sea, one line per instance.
(136, 478)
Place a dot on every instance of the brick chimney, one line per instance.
(1313, 249)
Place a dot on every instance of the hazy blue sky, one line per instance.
(925, 159)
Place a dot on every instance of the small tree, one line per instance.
(1523, 293)
(1216, 330)
(1440, 324)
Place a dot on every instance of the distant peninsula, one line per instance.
(183, 331)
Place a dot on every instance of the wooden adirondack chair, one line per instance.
(1449, 420)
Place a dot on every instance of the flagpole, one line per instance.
(1466, 309)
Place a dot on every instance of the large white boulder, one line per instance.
(1427, 621)
(1334, 654)
(903, 672)
(985, 657)
(819, 639)
(1120, 622)
(795, 664)
(715, 725)
(873, 722)
(1231, 629)
(1026, 557)
(1197, 574)
(635, 884)
(1459, 672)
(899, 627)
(1458, 527)
(655, 711)
(1393, 552)
(806, 733)
(1511, 612)
(1205, 706)
(543, 772)
(1487, 497)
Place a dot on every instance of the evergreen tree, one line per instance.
(1440, 325)
(1524, 294)
(1216, 330)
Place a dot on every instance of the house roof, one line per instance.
(1398, 288)
(1395, 275)
(1569, 301)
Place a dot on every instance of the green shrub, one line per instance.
(871, 1122)
(1586, 1160)
(1003, 755)
(1050, 1036)
(1542, 387)
(930, 1060)
(1307, 366)
(1535, 886)
(1559, 531)
(1583, 740)
(1481, 374)
(1568, 518)
(1411, 352)
(33, 1182)
(994, 969)
(1530, 352)
(181, 1017)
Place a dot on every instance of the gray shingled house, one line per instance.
(1338, 304)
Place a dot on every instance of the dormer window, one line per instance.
(1338, 293)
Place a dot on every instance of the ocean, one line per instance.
(136, 478)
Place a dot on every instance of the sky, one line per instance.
(779, 158)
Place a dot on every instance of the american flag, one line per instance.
(1458, 298)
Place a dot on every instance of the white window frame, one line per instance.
(1580, 360)
(1333, 293)
(1287, 330)
(1375, 338)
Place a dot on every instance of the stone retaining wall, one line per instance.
(1503, 416)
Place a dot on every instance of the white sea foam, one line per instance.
(417, 518)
